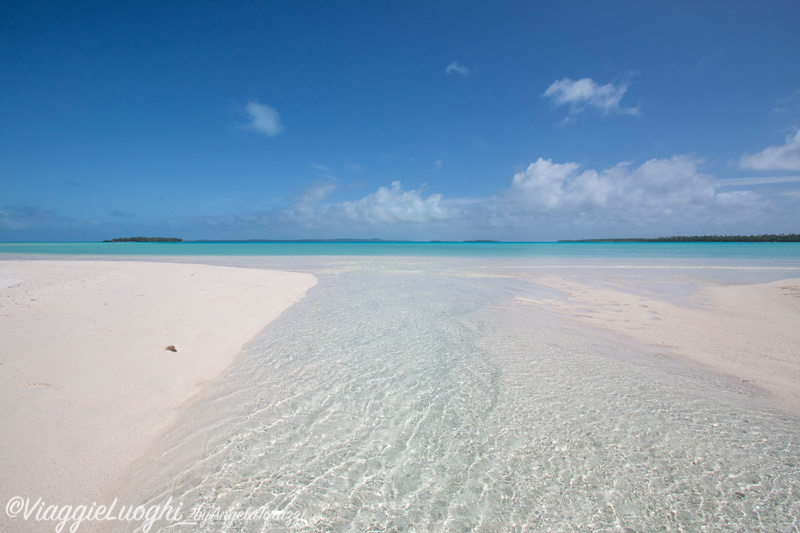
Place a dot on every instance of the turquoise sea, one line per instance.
(697, 251)
(412, 390)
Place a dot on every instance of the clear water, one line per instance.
(413, 394)
(545, 251)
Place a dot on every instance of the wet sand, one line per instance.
(748, 332)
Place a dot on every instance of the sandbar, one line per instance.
(86, 381)
(748, 332)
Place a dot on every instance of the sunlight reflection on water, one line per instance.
(400, 397)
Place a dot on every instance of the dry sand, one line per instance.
(86, 384)
(747, 332)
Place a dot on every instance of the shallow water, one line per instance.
(410, 395)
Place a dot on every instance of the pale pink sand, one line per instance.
(747, 332)
(86, 384)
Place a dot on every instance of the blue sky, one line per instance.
(434, 120)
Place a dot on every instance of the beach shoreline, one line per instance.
(748, 332)
(87, 381)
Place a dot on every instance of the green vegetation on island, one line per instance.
(769, 237)
(145, 239)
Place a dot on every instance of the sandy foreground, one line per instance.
(747, 332)
(86, 384)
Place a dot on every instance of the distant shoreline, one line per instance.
(771, 237)
(145, 239)
(791, 237)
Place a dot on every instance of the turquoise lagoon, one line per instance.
(744, 251)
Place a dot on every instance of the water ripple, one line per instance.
(404, 402)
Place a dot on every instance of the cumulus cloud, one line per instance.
(585, 93)
(263, 119)
(545, 200)
(783, 157)
(390, 205)
(657, 189)
(656, 193)
(457, 68)
(388, 212)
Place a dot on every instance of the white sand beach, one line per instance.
(86, 381)
(748, 332)
(88, 389)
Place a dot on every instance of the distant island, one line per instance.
(770, 237)
(145, 239)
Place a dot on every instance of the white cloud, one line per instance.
(313, 196)
(322, 168)
(543, 184)
(659, 188)
(386, 209)
(585, 93)
(546, 200)
(764, 180)
(458, 68)
(784, 157)
(788, 104)
(739, 199)
(393, 204)
(263, 119)
(654, 195)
